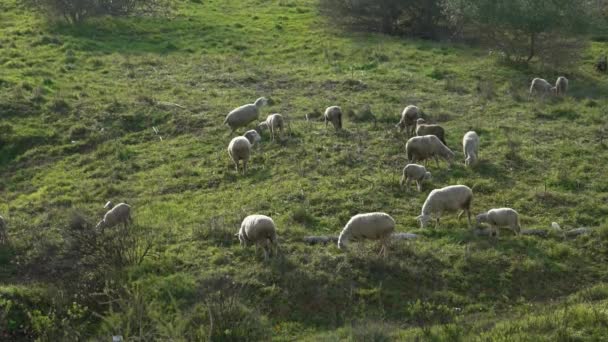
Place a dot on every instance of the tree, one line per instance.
(521, 28)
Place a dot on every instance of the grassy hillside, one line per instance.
(77, 107)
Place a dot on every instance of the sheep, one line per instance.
(273, 122)
(428, 146)
(408, 120)
(260, 230)
(372, 226)
(426, 129)
(243, 115)
(253, 137)
(121, 213)
(109, 205)
(470, 147)
(3, 232)
(542, 86)
(333, 114)
(414, 172)
(500, 217)
(561, 86)
(239, 149)
(449, 198)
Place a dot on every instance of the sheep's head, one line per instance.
(101, 225)
(481, 218)
(424, 220)
(262, 101)
(342, 242)
(420, 122)
(427, 175)
(262, 126)
(242, 239)
(554, 90)
(253, 136)
(109, 205)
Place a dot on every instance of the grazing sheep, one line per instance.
(372, 226)
(121, 213)
(3, 232)
(324, 240)
(260, 230)
(414, 172)
(561, 86)
(409, 116)
(239, 149)
(243, 115)
(470, 147)
(540, 85)
(426, 129)
(253, 136)
(334, 115)
(500, 217)
(450, 198)
(428, 146)
(273, 122)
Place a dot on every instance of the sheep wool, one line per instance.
(119, 214)
(239, 149)
(370, 226)
(274, 123)
(243, 115)
(470, 147)
(448, 199)
(409, 116)
(261, 231)
(541, 86)
(414, 172)
(426, 147)
(333, 114)
(561, 86)
(499, 218)
(427, 129)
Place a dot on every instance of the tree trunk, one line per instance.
(532, 46)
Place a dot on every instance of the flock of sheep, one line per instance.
(426, 141)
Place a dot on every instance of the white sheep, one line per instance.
(428, 129)
(274, 122)
(243, 115)
(470, 147)
(427, 146)
(121, 213)
(239, 149)
(448, 199)
(371, 226)
(259, 230)
(414, 172)
(540, 85)
(409, 116)
(561, 86)
(500, 217)
(333, 114)
(253, 136)
(3, 231)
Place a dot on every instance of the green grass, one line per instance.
(77, 107)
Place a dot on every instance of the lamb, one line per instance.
(449, 198)
(414, 172)
(260, 230)
(334, 115)
(542, 86)
(3, 232)
(239, 149)
(561, 86)
(121, 213)
(470, 147)
(500, 217)
(273, 122)
(428, 146)
(253, 136)
(426, 129)
(408, 120)
(372, 226)
(243, 115)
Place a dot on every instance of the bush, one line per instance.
(75, 11)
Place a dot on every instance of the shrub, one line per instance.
(75, 11)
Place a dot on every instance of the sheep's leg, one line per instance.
(436, 161)
(469, 218)
(437, 223)
(244, 167)
(419, 185)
